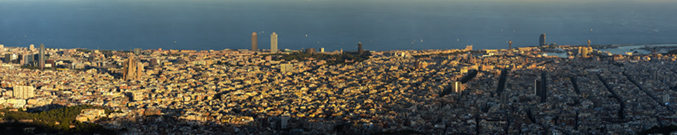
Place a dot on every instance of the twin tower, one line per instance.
(273, 42)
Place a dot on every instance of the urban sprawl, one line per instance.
(455, 91)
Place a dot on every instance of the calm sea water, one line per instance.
(332, 24)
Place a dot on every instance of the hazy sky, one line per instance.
(334, 24)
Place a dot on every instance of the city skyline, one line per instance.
(338, 92)
(409, 67)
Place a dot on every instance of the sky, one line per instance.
(211, 24)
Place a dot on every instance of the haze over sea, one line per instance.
(332, 24)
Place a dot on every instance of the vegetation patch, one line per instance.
(60, 121)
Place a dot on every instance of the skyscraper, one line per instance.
(589, 42)
(31, 47)
(541, 41)
(537, 87)
(509, 45)
(41, 60)
(359, 48)
(29, 59)
(255, 42)
(273, 42)
(540, 88)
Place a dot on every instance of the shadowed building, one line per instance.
(273, 42)
(537, 87)
(8, 58)
(255, 42)
(420, 65)
(540, 88)
(311, 51)
(359, 48)
(541, 41)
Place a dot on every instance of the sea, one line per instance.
(332, 24)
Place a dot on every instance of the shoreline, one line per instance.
(600, 46)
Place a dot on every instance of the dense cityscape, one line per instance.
(266, 91)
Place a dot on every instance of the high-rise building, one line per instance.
(31, 47)
(541, 41)
(28, 59)
(589, 42)
(284, 120)
(509, 45)
(540, 88)
(537, 87)
(132, 68)
(23, 92)
(504, 97)
(41, 61)
(468, 47)
(8, 58)
(584, 51)
(273, 42)
(255, 42)
(20, 59)
(457, 87)
(359, 48)
(321, 49)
